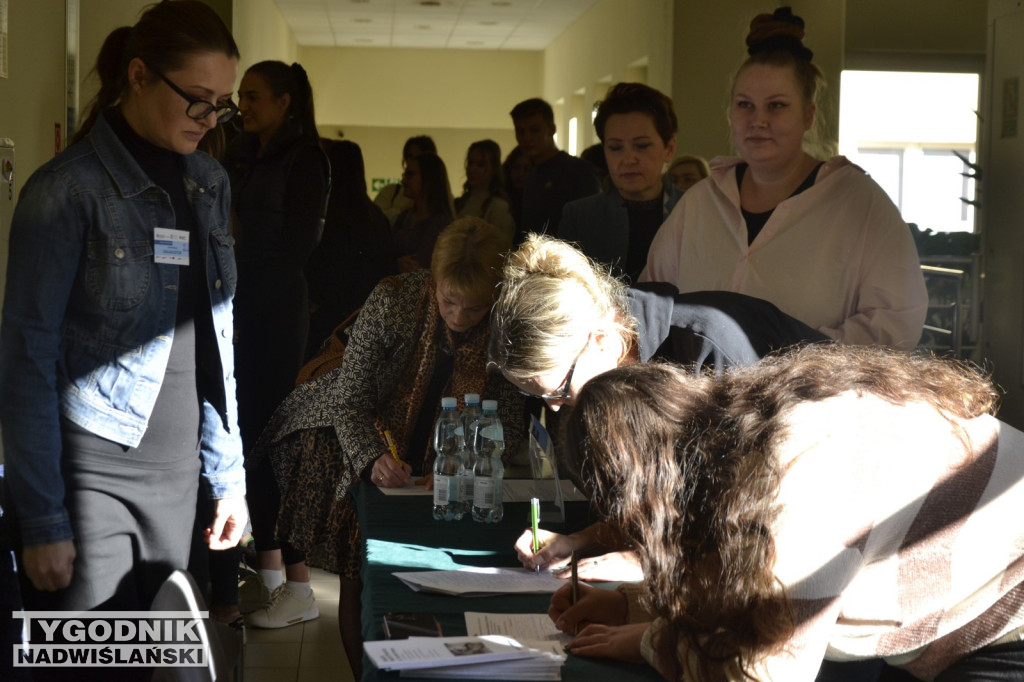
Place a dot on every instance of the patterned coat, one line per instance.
(350, 398)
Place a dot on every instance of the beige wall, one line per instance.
(915, 28)
(599, 50)
(93, 28)
(380, 97)
(32, 96)
(261, 33)
(33, 92)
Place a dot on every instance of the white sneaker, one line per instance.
(285, 608)
(252, 592)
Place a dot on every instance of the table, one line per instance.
(400, 535)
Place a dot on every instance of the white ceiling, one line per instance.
(455, 24)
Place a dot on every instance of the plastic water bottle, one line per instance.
(489, 443)
(467, 418)
(446, 464)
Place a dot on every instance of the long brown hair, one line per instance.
(435, 185)
(686, 466)
(166, 35)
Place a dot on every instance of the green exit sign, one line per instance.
(377, 184)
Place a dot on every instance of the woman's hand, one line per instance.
(426, 481)
(605, 607)
(603, 641)
(611, 567)
(387, 473)
(50, 566)
(555, 548)
(229, 517)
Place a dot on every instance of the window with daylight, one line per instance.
(916, 135)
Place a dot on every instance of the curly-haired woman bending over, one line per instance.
(833, 502)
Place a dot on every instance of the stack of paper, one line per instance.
(487, 656)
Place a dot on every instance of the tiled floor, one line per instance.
(308, 652)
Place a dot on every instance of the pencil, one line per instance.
(535, 523)
(391, 446)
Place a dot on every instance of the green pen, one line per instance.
(535, 523)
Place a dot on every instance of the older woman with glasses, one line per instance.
(561, 320)
(420, 336)
(117, 391)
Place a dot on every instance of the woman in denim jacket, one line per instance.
(117, 391)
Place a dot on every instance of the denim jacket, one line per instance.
(89, 317)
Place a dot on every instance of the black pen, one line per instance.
(575, 580)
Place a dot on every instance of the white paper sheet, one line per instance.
(482, 582)
(523, 627)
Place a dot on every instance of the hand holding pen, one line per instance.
(593, 605)
(553, 549)
(389, 471)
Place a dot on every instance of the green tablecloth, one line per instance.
(401, 535)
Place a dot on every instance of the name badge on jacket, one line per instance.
(170, 246)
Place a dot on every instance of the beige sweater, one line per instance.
(899, 536)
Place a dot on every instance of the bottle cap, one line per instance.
(448, 403)
(490, 405)
(472, 398)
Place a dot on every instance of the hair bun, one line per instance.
(780, 30)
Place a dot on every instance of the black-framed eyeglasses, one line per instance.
(198, 109)
(561, 393)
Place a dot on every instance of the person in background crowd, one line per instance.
(483, 194)
(280, 179)
(425, 182)
(821, 240)
(356, 251)
(517, 167)
(594, 155)
(117, 391)
(637, 128)
(557, 177)
(686, 171)
(391, 199)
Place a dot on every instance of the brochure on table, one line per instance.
(518, 646)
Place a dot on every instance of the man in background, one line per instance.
(557, 178)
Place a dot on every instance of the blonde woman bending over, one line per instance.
(561, 319)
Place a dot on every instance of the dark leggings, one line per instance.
(1000, 663)
(261, 484)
